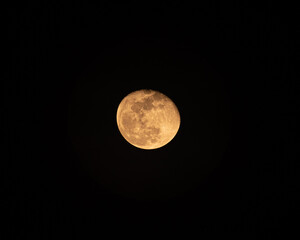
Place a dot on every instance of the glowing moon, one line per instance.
(148, 119)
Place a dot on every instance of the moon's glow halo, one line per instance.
(148, 119)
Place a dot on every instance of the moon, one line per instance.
(148, 119)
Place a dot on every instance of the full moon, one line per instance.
(148, 119)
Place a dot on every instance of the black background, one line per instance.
(228, 67)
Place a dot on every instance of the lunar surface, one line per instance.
(148, 119)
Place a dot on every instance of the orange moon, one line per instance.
(148, 119)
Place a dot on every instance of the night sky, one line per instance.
(231, 167)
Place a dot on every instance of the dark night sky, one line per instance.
(228, 67)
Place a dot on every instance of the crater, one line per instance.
(137, 140)
(128, 122)
(136, 107)
(161, 106)
(147, 91)
(158, 96)
(152, 131)
(147, 104)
